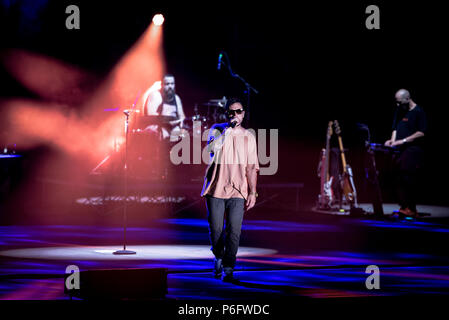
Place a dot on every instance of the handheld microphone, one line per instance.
(220, 56)
(231, 124)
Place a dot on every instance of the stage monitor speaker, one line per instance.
(107, 284)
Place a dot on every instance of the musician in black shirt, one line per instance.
(409, 128)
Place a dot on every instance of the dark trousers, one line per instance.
(408, 170)
(225, 241)
(407, 185)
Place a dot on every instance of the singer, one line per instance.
(229, 186)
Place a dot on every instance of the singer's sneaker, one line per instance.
(228, 274)
(218, 268)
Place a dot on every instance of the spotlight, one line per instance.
(158, 19)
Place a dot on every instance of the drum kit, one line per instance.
(207, 113)
(149, 143)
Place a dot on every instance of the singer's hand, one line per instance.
(250, 202)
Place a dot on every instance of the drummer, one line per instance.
(166, 102)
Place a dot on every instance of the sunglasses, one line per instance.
(233, 112)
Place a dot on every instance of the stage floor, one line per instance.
(426, 212)
(289, 254)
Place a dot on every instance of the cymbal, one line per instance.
(215, 103)
(219, 101)
(208, 104)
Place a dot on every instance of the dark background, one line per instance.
(311, 63)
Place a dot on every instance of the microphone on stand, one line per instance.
(220, 56)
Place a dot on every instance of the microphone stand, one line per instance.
(245, 83)
(372, 174)
(124, 251)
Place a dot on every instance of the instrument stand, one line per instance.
(373, 178)
(246, 84)
(124, 251)
(248, 93)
